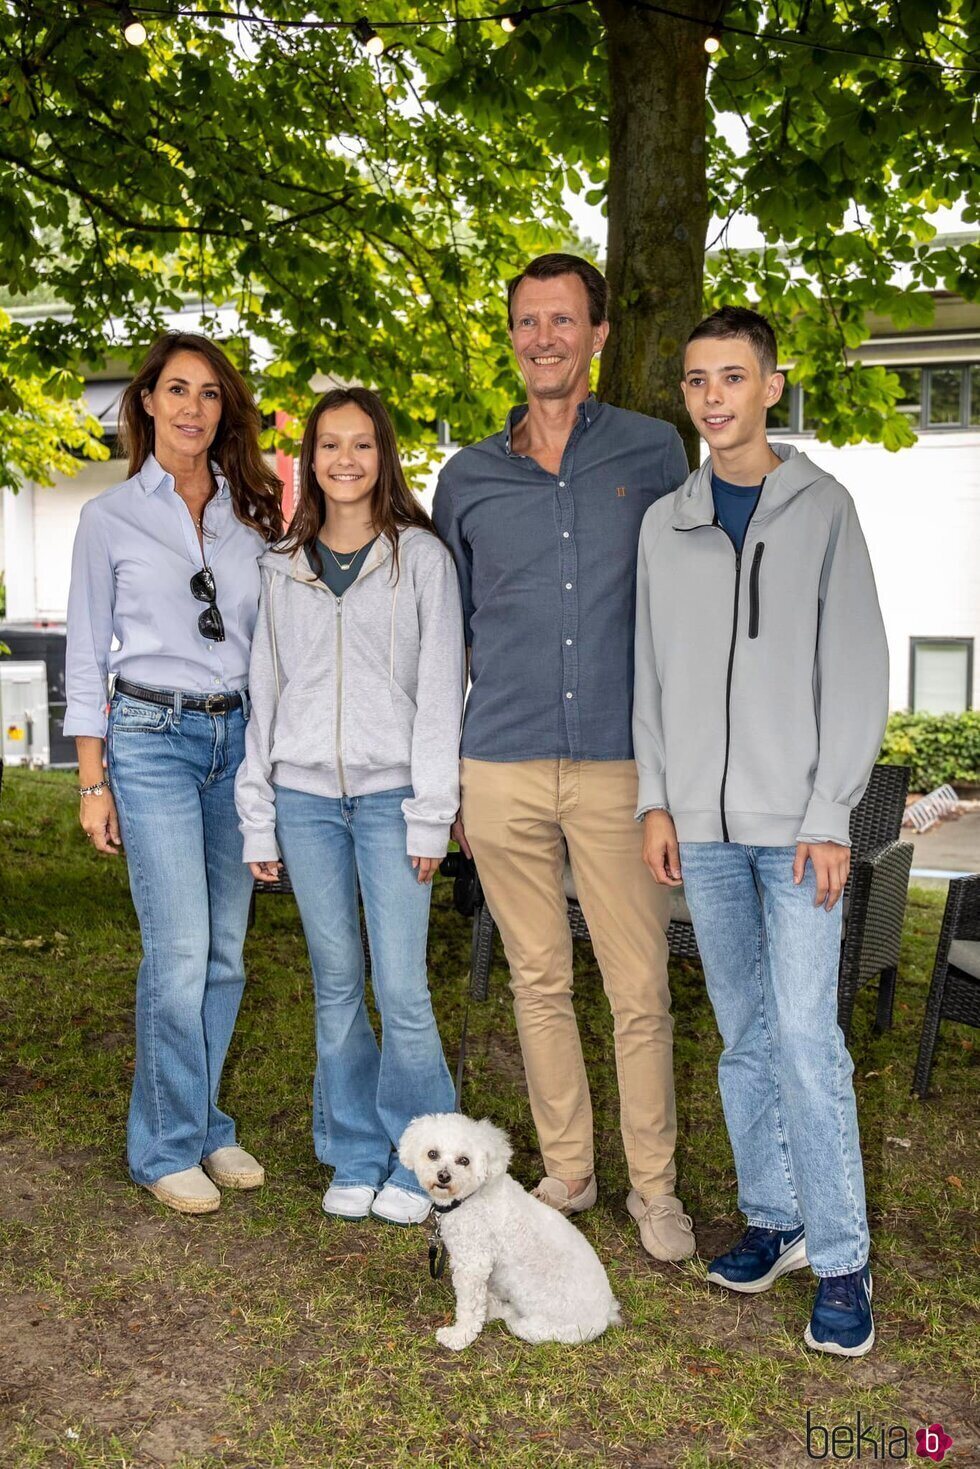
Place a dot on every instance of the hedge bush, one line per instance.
(942, 749)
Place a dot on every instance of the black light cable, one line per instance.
(511, 19)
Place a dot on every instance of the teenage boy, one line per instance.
(759, 705)
(543, 520)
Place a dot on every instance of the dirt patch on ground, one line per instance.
(158, 1381)
(109, 1339)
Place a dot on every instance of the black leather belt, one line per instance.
(198, 704)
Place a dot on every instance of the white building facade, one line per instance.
(920, 509)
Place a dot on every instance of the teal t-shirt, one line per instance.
(335, 571)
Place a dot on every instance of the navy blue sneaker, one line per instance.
(760, 1258)
(842, 1322)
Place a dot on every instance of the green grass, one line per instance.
(267, 1335)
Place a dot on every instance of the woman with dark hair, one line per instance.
(164, 595)
(351, 773)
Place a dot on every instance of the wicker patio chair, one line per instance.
(955, 990)
(876, 895)
(874, 904)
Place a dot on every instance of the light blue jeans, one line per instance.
(363, 1097)
(173, 780)
(770, 961)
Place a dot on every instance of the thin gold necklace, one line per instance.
(346, 565)
(199, 519)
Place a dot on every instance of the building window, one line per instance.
(938, 397)
(941, 397)
(910, 395)
(945, 395)
(940, 675)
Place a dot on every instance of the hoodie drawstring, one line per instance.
(272, 630)
(391, 645)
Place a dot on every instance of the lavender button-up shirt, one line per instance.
(130, 607)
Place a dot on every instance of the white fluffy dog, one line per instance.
(512, 1256)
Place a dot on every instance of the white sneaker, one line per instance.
(398, 1206)
(234, 1168)
(189, 1192)
(352, 1201)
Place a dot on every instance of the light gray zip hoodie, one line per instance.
(357, 694)
(761, 683)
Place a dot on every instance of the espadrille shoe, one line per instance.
(189, 1192)
(234, 1168)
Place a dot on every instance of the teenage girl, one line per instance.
(351, 777)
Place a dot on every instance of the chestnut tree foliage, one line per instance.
(362, 215)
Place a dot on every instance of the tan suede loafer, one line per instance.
(554, 1193)
(234, 1168)
(666, 1232)
(189, 1192)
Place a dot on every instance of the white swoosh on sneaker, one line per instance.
(787, 1244)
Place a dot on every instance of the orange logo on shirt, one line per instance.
(621, 491)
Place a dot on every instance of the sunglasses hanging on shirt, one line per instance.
(210, 624)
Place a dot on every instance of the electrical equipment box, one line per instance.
(24, 713)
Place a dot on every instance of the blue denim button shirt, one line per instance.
(547, 570)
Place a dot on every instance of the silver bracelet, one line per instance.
(95, 790)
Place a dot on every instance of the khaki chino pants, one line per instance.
(519, 816)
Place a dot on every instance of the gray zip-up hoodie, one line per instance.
(356, 694)
(761, 683)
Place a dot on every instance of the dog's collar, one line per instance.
(446, 1208)
(437, 1248)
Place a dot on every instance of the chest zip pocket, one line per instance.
(754, 590)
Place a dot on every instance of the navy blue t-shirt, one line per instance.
(734, 507)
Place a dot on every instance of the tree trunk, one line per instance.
(658, 204)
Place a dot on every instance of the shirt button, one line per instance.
(568, 696)
(568, 586)
(568, 642)
(561, 484)
(565, 534)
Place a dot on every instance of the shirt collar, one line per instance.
(588, 411)
(152, 477)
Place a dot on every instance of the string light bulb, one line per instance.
(368, 37)
(513, 18)
(712, 41)
(134, 30)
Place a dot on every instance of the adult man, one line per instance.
(543, 520)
